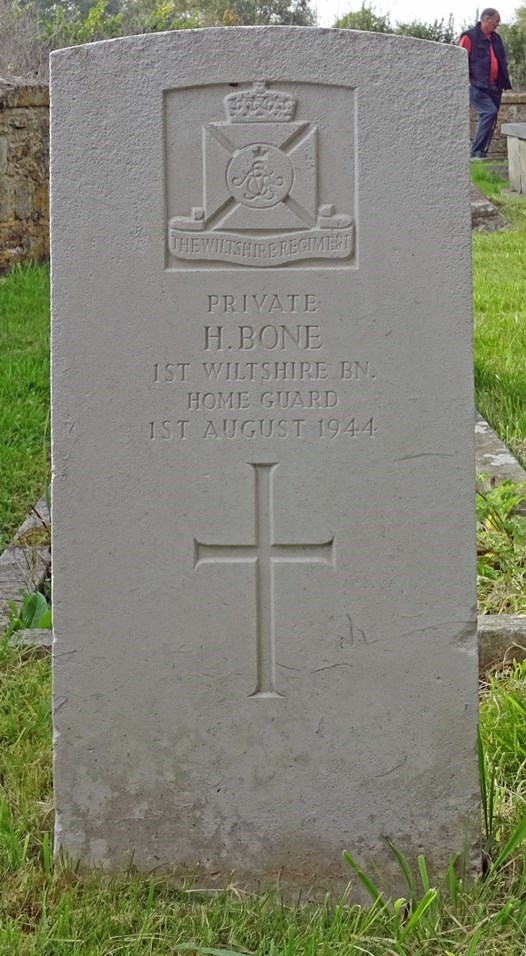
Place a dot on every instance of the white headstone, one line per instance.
(265, 644)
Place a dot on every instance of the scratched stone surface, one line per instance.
(264, 583)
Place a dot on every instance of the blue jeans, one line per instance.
(486, 104)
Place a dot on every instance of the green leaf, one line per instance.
(368, 885)
(35, 608)
(422, 869)
(453, 880)
(472, 948)
(404, 866)
(424, 905)
(515, 839)
(45, 621)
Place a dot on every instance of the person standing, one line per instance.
(488, 77)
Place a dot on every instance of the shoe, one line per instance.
(477, 158)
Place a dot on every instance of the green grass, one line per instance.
(487, 180)
(24, 394)
(484, 176)
(499, 298)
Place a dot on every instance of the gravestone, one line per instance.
(265, 643)
(515, 134)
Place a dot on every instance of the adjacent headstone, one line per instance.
(265, 633)
(515, 134)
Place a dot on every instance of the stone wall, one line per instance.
(513, 110)
(24, 172)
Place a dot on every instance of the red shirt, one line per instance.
(465, 42)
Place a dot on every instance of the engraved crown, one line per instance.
(260, 105)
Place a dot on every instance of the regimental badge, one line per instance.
(260, 190)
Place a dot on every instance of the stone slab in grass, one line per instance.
(24, 564)
(264, 573)
(494, 461)
(485, 217)
(34, 641)
(501, 638)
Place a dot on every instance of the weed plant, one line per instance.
(501, 550)
(34, 611)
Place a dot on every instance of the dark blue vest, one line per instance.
(479, 59)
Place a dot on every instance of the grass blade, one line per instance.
(424, 905)
(368, 885)
(515, 839)
(472, 948)
(482, 781)
(404, 866)
(47, 855)
(453, 880)
(422, 869)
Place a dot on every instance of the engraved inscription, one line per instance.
(264, 554)
(285, 371)
(228, 396)
(260, 176)
(333, 427)
(268, 302)
(260, 188)
(255, 428)
(269, 337)
(169, 372)
(231, 428)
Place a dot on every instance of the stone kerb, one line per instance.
(24, 172)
